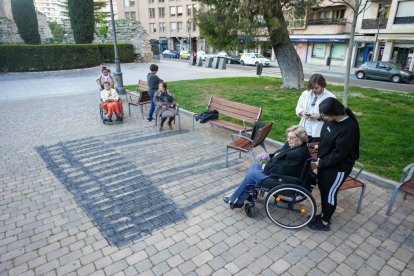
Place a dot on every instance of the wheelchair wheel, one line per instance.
(249, 210)
(290, 206)
(101, 112)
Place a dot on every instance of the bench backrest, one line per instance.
(235, 110)
(262, 134)
(142, 85)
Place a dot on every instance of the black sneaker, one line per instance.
(110, 120)
(119, 119)
(149, 119)
(318, 225)
(226, 200)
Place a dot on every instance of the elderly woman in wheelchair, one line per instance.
(288, 202)
(110, 103)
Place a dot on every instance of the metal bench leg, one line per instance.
(129, 110)
(252, 155)
(392, 200)
(179, 122)
(142, 110)
(361, 198)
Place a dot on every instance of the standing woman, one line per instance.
(153, 83)
(337, 153)
(308, 106)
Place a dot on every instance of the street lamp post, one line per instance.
(118, 74)
(382, 12)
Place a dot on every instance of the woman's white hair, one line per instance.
(300, 132)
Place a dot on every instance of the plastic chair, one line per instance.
(406, 184)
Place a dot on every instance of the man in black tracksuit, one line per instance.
(337, 153)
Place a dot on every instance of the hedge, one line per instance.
(23, 58)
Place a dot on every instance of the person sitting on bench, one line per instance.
(289, 160)
(166, 105)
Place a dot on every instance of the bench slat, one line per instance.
(350, 183)
(408, 187)
(234, 105)
(227, 124)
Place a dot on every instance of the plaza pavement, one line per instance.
(79, 197)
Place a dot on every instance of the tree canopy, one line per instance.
(248, 23)
(82, 20)
(24, 15)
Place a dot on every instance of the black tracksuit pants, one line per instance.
(329, 182)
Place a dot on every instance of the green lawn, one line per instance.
(386, 118)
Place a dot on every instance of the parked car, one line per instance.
(254, 59)
(234, 59)
(170, 54)
(383, 71)
(184, 54)
(202, 54)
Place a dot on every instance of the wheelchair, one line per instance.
(288, 201)
(104, 116)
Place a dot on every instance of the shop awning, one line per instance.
(316, 39)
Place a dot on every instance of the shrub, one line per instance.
(82, 20)
(24, 15)
(21, 58)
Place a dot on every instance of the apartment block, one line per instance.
(169, 23)
(385, 31)
(55, 10)
(322, 32)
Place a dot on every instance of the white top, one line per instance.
(110, 94)
(313, 127)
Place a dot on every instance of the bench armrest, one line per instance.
(358, 167)
(407, 173)
(234, 137)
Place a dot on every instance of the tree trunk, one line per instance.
(287, 57)
(290, 65)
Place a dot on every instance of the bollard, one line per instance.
(222, 63)
(216, 62)
(208, 63)
(259, 69)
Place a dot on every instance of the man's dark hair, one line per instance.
(316, 79)
(153, 68)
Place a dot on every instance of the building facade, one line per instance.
(55, 10)
(322, 34)
(385, 31)
(169, 23)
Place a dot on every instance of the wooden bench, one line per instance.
(351, 181)
(406, 185)
(239, 111)
(138, 98)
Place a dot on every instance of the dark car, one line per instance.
(233, 59)
(383, 71)
(170, 54)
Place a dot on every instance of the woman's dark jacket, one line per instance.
(288, 161)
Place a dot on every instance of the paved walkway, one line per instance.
(79, 197)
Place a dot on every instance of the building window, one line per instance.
(179, 10)
(161, 12)
(152, 12)
(133, 16)
(153, 28)
(132, 3)
(161, 1)
(189, 10)
(405, 13)
(338, 51)
(338, 14)
(162, 27)
(151, 1)
(173, 26)
(126, 15)
(179, 26)
(318, 50)
(173, 11)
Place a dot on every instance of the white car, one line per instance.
(254, 59)
(202, 54)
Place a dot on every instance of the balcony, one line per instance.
(326, 21)
(373, 23)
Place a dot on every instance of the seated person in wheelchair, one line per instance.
(166, 105)
(289, 160)
(110, 102)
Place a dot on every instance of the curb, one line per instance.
(370, 177)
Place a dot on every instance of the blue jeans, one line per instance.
(254, 177)
(152, 105)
